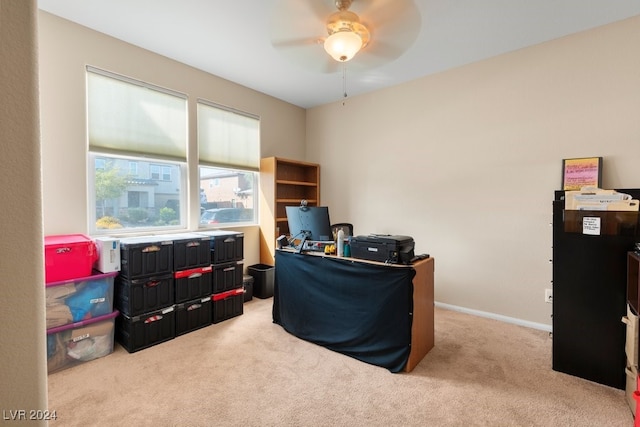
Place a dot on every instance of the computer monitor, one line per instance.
(309, 223)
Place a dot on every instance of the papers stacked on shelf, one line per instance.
(597, 199)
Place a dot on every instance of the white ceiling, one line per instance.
(236, 39)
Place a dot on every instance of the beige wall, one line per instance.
(23, 371)
(467, 161)
(65, 49)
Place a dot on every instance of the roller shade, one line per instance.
(228, 138)
(131, 117)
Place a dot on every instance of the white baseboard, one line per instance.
(507, 319)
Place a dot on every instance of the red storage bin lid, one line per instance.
(66, 239)
(68, 256)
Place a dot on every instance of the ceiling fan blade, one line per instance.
(302, 41)
(298, 29)
(294, 23)
(382, 13)
(292, 15)
(306, 53)
(320, 8)
(394, 25)
(382, 50)
(382, 10)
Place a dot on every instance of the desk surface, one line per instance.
(322, 254)
(364, 309)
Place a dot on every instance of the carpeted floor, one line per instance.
(247, 371)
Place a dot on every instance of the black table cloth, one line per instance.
(360, 309)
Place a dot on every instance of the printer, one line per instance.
(383, 248)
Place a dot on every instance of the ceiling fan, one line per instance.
(321, 34)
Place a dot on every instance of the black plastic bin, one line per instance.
(263, 278)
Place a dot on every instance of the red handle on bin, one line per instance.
(193, 272)
(232, 292)
(153, 318)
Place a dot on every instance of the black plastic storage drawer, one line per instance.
(190, 250)
(145, 256)
(192, 315)
(227, 276)
(226, 246)
(227, 305)
(193, 283)
(140, 332)
(138, 296)
(247, 284)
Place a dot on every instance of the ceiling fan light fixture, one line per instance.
(343, 45)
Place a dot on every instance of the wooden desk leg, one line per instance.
(422, 329)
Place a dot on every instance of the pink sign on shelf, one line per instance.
(582, 172)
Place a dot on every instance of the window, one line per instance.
(155, 172)
(166, 173)
(160, 173)
(137, 154)
(229, 158)
(133, 168)
(138, 169)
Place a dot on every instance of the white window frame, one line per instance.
(237, 152)
(226, 150)
(165, 157)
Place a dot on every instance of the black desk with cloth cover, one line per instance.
(365, 310)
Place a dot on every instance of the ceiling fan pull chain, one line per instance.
(344, 81)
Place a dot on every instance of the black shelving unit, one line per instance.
(589, 291)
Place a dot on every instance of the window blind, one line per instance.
(131, 117)
(228, 138)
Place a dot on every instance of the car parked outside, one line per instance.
(224, 215)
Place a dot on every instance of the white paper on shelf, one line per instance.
(596, 199)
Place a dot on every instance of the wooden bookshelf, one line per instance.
(283, 182)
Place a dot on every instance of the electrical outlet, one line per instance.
(548, 295)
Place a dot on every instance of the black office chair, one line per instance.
(346, 228)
